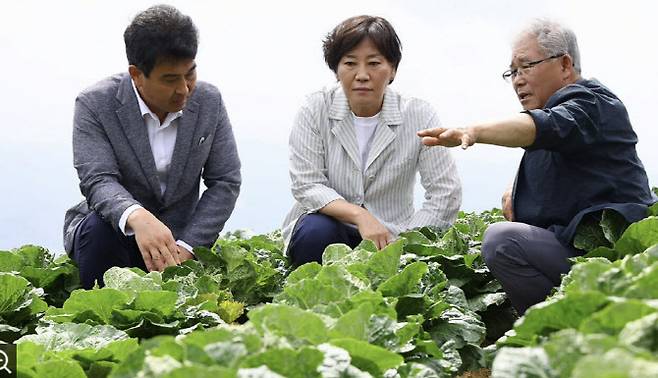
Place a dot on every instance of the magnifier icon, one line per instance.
(4, 360)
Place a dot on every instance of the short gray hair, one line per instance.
(554, 39)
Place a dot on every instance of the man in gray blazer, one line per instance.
(142, 140)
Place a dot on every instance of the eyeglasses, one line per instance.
(510, 74)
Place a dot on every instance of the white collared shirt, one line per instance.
(162, 138)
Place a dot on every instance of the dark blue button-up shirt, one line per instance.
(582, 160)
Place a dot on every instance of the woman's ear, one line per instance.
(390, 80)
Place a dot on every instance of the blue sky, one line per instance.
(265, 57)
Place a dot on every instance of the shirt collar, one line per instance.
(144, 109)
(389, 114)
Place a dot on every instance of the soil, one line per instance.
(482, 373)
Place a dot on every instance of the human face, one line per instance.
(536, 84)
(168, 86)
(364, 74)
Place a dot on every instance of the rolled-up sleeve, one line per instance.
(568, 126)
(308, 171)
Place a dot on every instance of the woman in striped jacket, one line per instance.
(354, 153)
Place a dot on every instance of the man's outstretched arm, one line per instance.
(517, 131)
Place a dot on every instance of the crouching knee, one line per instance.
(311, 236)
(497, 238)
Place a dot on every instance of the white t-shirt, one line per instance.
(365, 130)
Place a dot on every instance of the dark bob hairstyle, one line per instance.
(349, 33)
(160, 33)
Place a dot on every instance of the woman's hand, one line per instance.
(370, 228)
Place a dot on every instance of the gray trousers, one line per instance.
(527, 260)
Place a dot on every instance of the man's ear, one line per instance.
(136, 74)
(566, 65)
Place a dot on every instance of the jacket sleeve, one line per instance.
(221, 176)
(569, 125)
(439, 178)
(97, 167)
(308, 170)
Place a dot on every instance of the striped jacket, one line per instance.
(325, 163)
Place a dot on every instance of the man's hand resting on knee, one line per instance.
(506, 202)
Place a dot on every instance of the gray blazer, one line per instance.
(113, 157)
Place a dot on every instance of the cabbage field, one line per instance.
(425, 306)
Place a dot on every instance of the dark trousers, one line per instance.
(97, 247)
(527, 260)
(313, 233)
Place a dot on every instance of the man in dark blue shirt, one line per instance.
(580, 159)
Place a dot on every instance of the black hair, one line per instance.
(160, 33)
(349, 33)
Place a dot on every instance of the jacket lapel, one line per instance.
(187, 125)
(390, 117)
(343, 127)
(133, 126)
